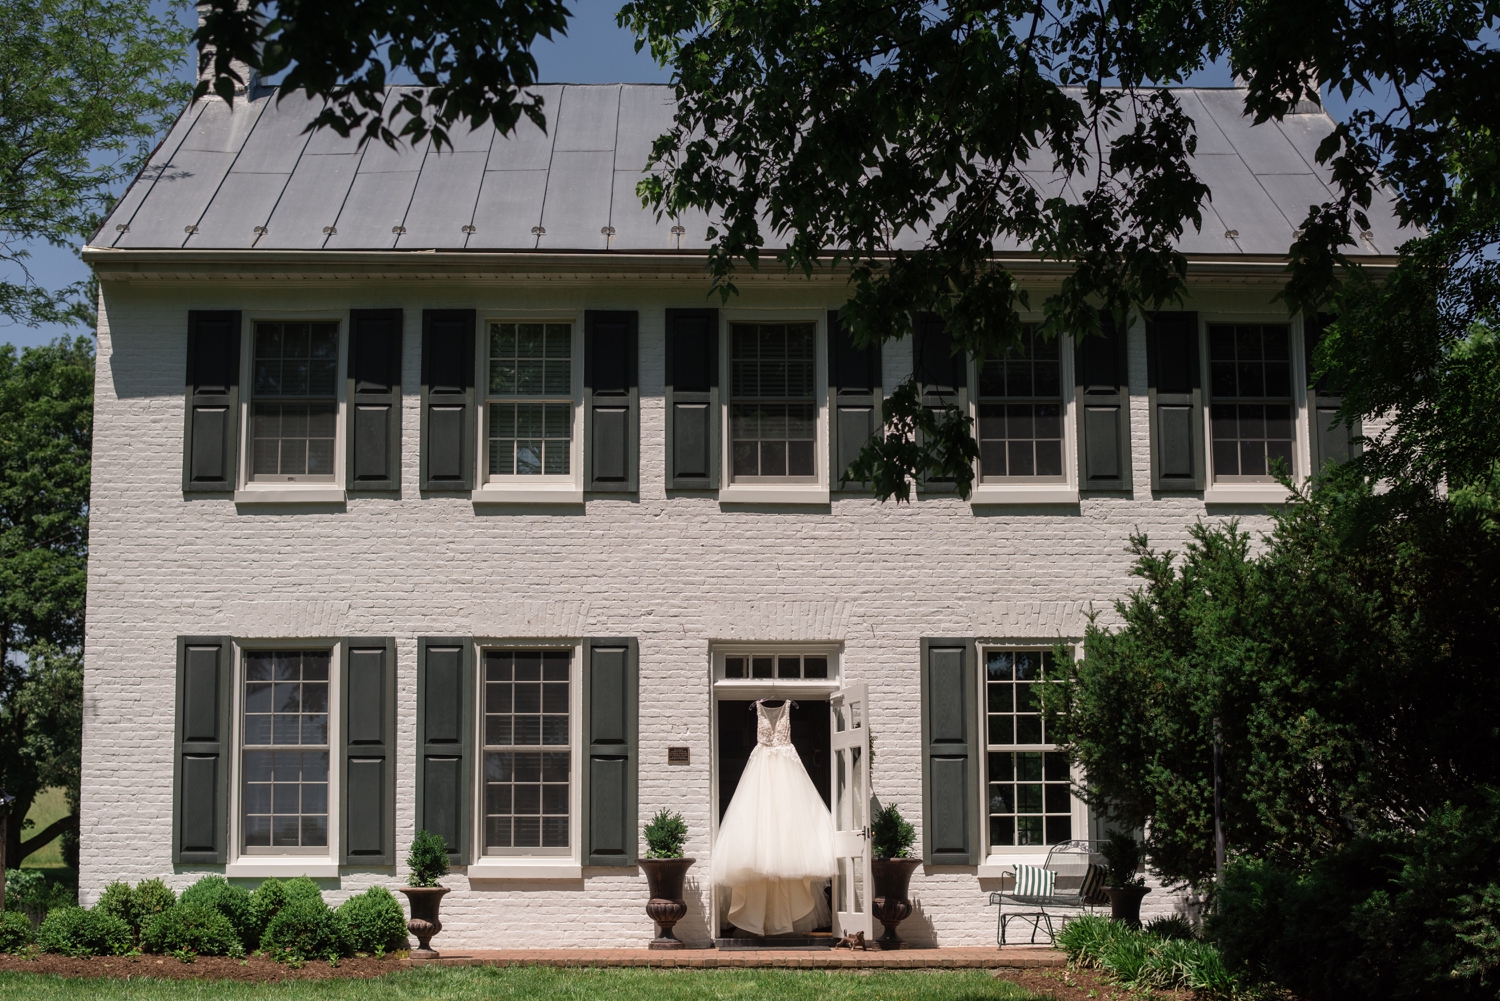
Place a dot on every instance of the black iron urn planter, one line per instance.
(424, 922)
(664, 878)
(1125, 903)
(892, 903)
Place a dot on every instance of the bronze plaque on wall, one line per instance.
(678, 756)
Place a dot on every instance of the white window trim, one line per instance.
(997, 863)
(1031, 491)
(518, 489)
(241, 863)
(748, 491)
(248, 491)
(523, 866)
(1266, 492)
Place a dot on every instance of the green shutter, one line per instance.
(1175, 393)
(374, 395)
(448, 424)
(445, 739)
(692, 399)
(1331, 439)
(367, 690)
(200, 790)
(1102, 397)
(950, 753)
(611, 402)
(942, 375)
(610, 672)
(854, 400)
(211, 439)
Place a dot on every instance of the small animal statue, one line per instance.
(852, 941)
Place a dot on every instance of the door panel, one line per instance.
(849, 740)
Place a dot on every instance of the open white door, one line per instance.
(850, 743)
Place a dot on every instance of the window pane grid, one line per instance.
(1021, 411)
(530, 437)
(294, 409)
(773, 411)
(1029, 800)
(1251, 398)
(286, 749)
(808, 666)
(527, 759)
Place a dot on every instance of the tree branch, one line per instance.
(48, 834)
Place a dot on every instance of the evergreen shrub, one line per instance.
(665, 835)
(374, 922)
(191, 928)
(427, 859)
(218, 894)
(267, 898)
(74, 931)
(305, 929)
(891, 835)
(118, 900)
(152, 896)
(16, 932)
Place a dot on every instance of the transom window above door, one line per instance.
(530, 399)
(294, 401)
(773, 410)
(782, 665)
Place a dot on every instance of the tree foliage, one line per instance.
(471, 59)
(85, 87)
(46, 436)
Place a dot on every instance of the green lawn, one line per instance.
(525, 983)
(50, 804)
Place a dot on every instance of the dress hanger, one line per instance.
(761, 702)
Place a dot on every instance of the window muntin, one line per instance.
(773, 411)
(294, 401)
(527, 753)
(284, 805)
(1250, 393)
(1028, 797)
(1021, 412)
(812, 667)
(530, 399)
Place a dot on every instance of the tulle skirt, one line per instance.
(775, 847)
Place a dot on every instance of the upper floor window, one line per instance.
(1021, 412)
(294, 401)
(1029, 799)
(1250, 399)
(527, 751)
(285, 742)
(773, 410)
(530, 397)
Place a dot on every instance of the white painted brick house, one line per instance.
(435, 492)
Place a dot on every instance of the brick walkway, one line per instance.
(1011, 957)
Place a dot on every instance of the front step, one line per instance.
(806, 943)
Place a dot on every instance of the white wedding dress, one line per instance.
(775, 845)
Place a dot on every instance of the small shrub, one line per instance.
(1086, 938)
(891, 835)
(304, 929)
(269, 898)
(1142, 959)
(374, 922)
(427, 859)
(191, 929)
(1173, 927)
(665, 835)
(74, 931)
(16, 932)
(152, 896)
(32, 893)
(1123, 855)
(218, 894)
(302, 888)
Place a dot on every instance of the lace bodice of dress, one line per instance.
(774, 726)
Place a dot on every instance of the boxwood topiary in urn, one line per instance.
(891, 838)
(1126, 887)
(428, 862)
(665, 870)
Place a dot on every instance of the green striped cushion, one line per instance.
(1092, 890)
(1034, 881)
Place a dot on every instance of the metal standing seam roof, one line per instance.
(250, 178)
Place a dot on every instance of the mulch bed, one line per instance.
(254, 968)
(1082, 985)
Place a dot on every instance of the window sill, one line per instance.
(268, 866)
(1024, 493)
(525, 868)
(1246, 493)
(774, 493)
(290, 494)
(517, 493)
(996, 866)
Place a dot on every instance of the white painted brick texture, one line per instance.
(677, 572)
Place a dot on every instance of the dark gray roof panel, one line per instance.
(227, 172)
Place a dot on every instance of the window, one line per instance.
(1021, 412)
(294, 402)
(1029, 799)
(1250, 393)
(530, 399)
(773, 412)
(527, 755)
(777, 666)
(285, 798)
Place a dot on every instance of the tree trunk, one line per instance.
(52, 831)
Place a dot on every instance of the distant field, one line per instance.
(50, 804)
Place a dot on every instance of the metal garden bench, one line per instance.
(1071, 879)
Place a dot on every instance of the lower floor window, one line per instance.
(286, 799)
(527, 758)
(285, 739)
(1030, 802)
